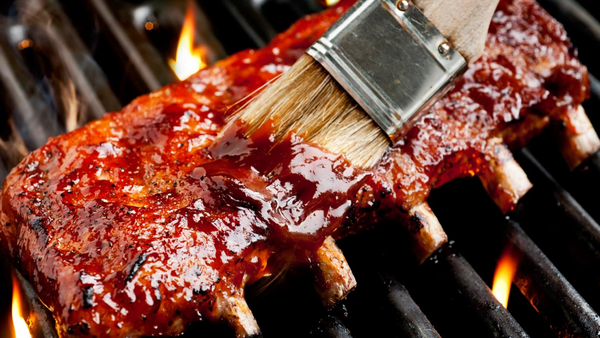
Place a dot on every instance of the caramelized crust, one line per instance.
(139, 223)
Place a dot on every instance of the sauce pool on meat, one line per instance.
(143, 221)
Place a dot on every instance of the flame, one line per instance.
(189, 59)
(505, 273)
(21, 329)
(330, 3)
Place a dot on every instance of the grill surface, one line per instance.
(83, 54)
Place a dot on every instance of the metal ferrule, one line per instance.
(394, 63)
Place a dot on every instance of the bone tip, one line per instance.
(237, 313)
(337, 292)
(580, 141)
(505, 181)
(430, 236)
(334, 280)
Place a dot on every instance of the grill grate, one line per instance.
(446, 296)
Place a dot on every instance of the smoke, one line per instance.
(12, 150)
(62, 98)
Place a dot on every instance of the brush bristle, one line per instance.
(308, 101)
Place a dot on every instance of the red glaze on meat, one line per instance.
(139, 223)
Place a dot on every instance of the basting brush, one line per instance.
(366, 82)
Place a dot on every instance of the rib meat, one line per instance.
(142, 222)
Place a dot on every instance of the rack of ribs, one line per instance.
(146, 220)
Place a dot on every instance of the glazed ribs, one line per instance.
(144, 221)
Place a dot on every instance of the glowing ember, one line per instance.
(505, 273)
(25, 44)
(189, 59)
(149, 25)
(21, 329)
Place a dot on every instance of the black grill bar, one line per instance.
(282, 13)
(459, 278)
(382, 305)
(583, 184)
(133, 65)
(3, 172)
(408, 319)
(240, 19)
(330, 326)
(580, 222)
(568, 314)
(149, 67)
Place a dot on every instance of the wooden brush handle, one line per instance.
(464, 23)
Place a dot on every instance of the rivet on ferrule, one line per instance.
(444, 48)
(403, 5)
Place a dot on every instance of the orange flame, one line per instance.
(505, 273)
(21, 329)
(330, 3)
(189, 59)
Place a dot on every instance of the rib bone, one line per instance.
(577, 138)
(236, 312)
(426, 231)
(504, 180)
(334, 279)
